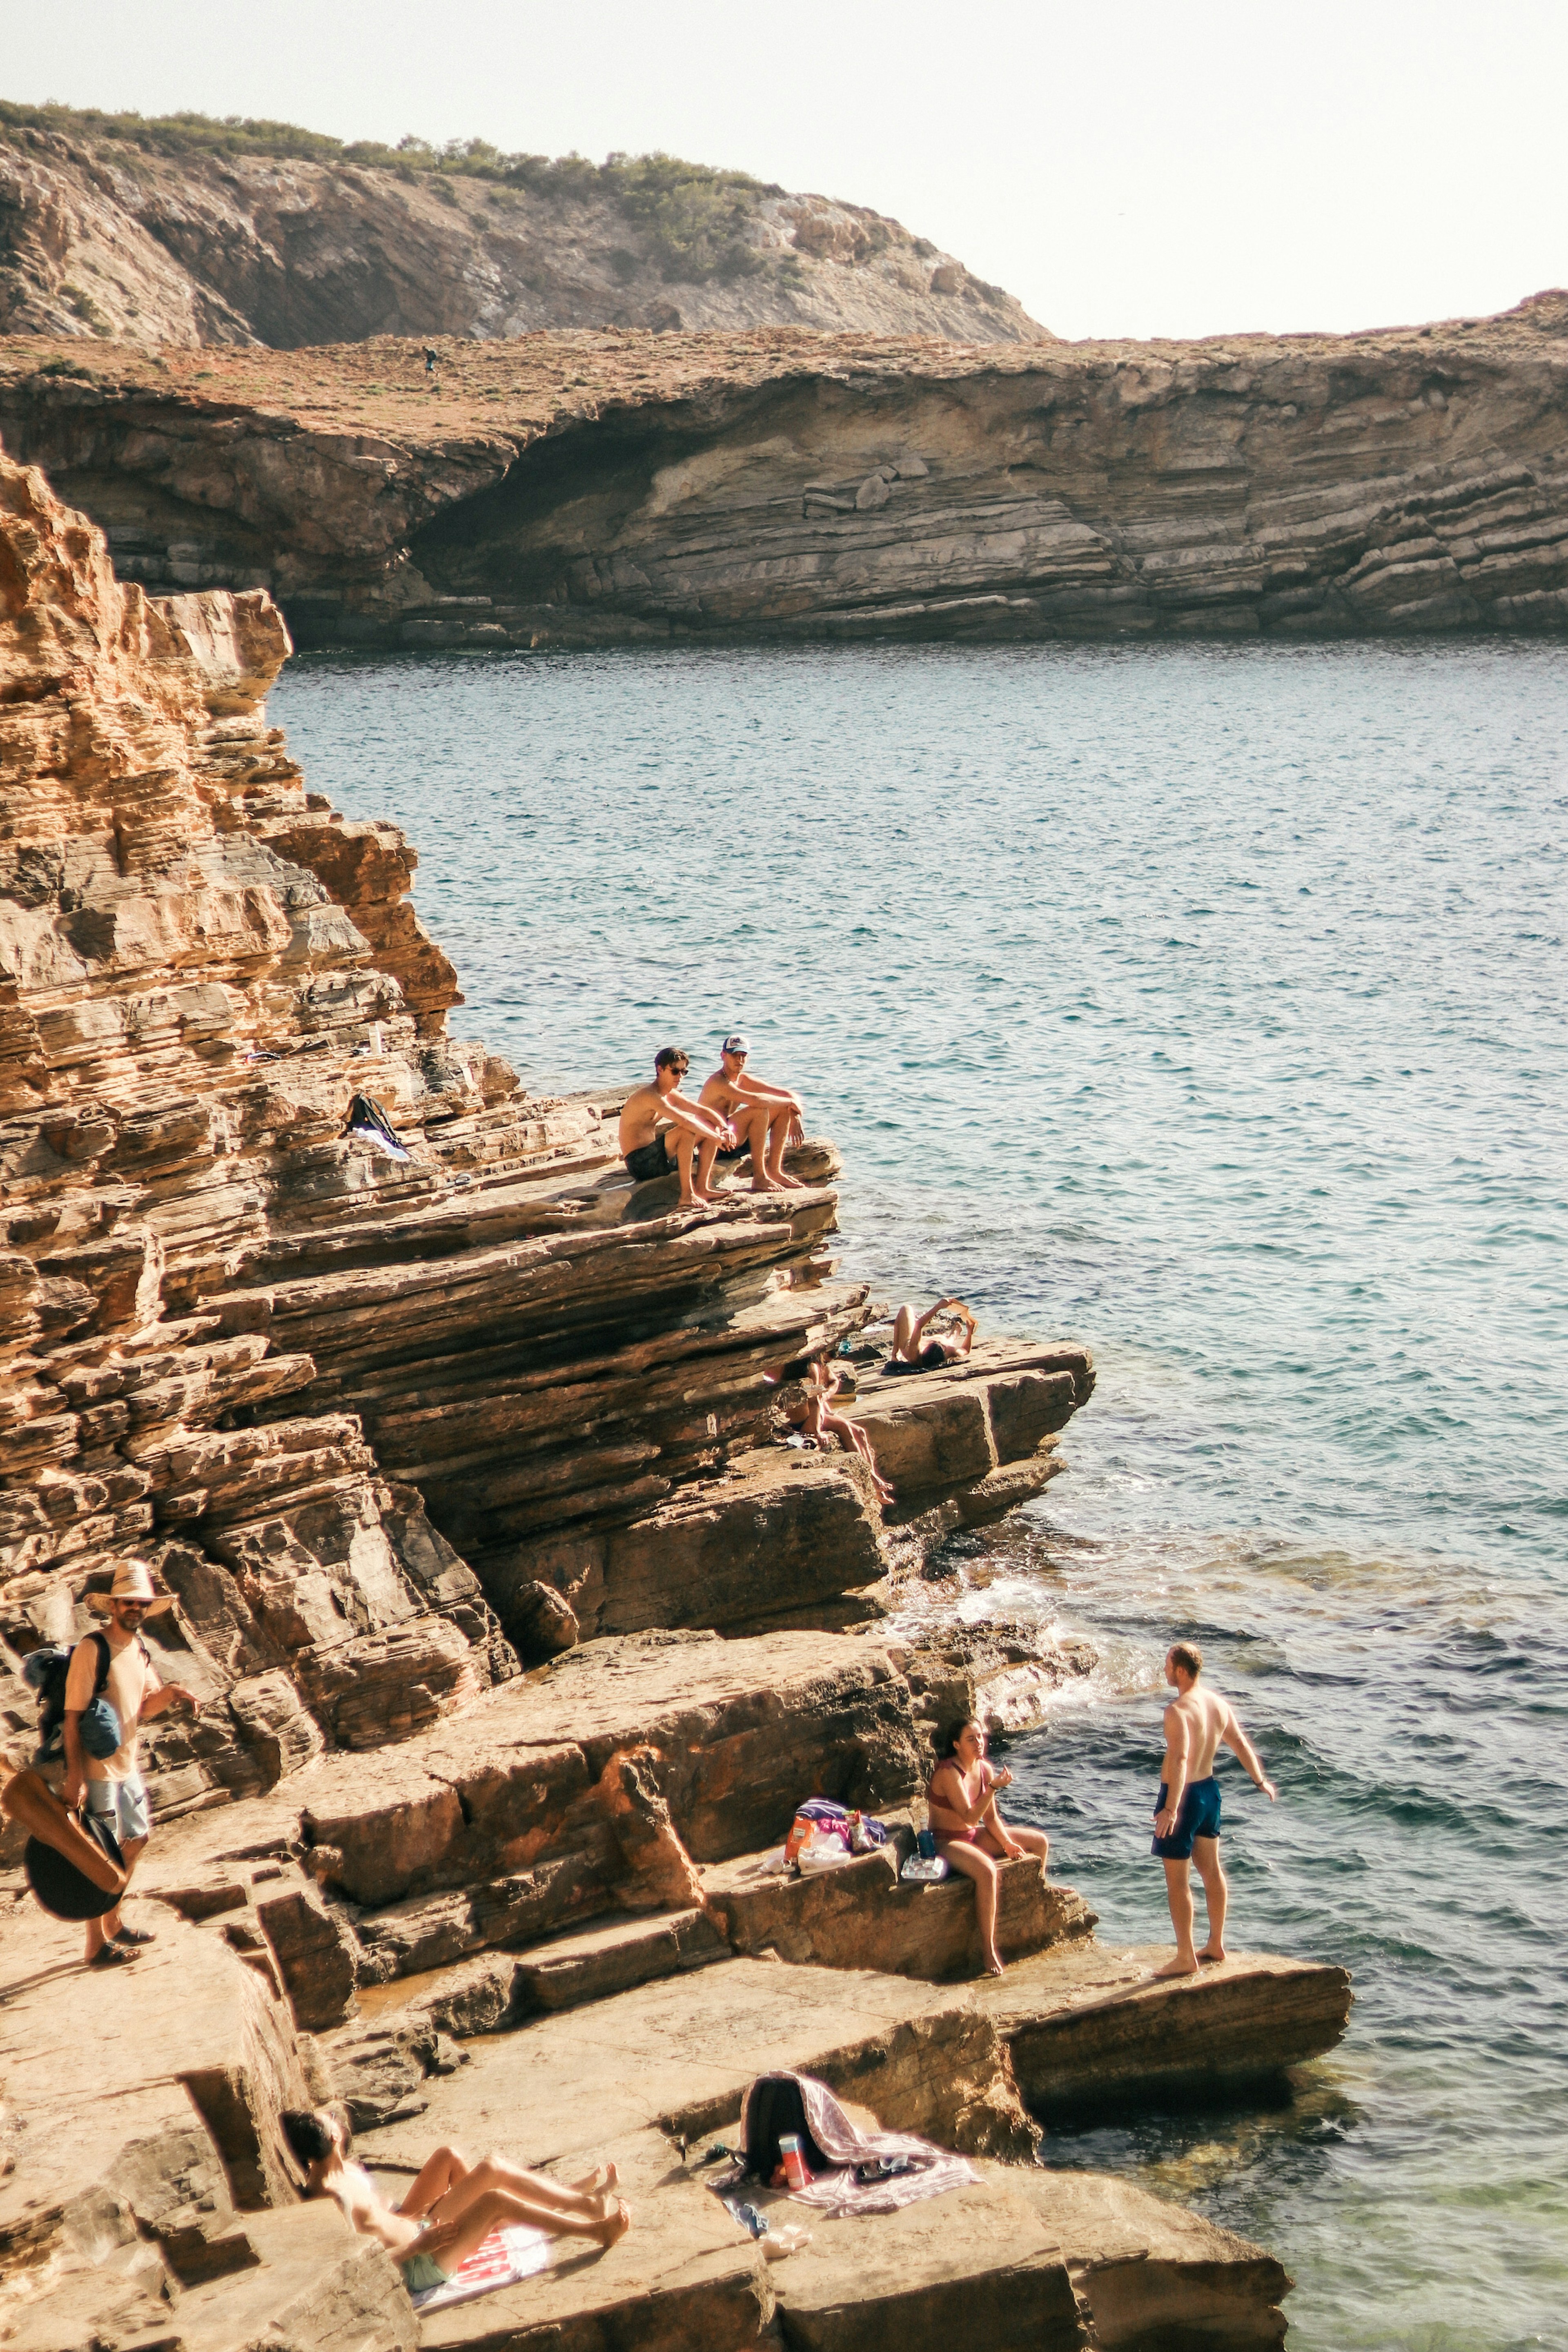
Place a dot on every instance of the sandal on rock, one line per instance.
(134, 1936)
(111, 1957)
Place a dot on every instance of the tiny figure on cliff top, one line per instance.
(912, 1351)
(661, 1129)
(766, 1120)
(1186, 1811)
(431, 355)
(970, 1834)
(453, 2205)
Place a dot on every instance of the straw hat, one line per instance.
(132, 1582)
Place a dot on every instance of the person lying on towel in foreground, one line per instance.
(453, 2205)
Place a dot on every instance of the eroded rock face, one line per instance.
(581, 490)
(103, 237)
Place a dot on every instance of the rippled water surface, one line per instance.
(1206, 1005)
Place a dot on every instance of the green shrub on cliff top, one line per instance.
(691, 218)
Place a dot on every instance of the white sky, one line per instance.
(1126, 169)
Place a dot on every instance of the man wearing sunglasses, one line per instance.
(112, 1787)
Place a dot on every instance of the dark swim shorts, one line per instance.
(650, 1159)
(1199, 1817)
(732, 1152)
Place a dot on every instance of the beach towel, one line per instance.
(838, 2193)
(507, 2255)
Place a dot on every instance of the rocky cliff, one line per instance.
(571, 490)
(358, 1406)
(290, 1365)
(192, 233)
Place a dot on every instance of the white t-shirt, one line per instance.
(132, 1678)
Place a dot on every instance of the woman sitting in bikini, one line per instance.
(970, 1834)
(913, 1353)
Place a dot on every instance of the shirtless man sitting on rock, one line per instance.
(453, 2205)
(1186, 1813)
(766, 1120)
(661, 1129)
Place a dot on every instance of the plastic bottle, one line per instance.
(795, 2173)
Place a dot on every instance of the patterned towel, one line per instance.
(837, 2193)
(507, 2255)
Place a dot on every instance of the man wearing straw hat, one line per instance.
(112, 1786)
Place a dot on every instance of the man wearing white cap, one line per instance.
(766, 1120)
(112, 1786)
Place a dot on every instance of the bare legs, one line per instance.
(98, 1931)
(778, 1138)
(461, 2203)
(1179, 1893)
(448, 2184)
(451, 2242)
(851, 1434)
(1033, 1842)
(977, 1864)
(1217, 1894)
(767, 1140)
(682, 1143)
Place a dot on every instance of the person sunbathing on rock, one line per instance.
(818, 1419)
(913, 1353)
(766, 1120)
(453, 2205)
(660, 1129)
(970, 1834)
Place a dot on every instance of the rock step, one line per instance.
(599, 1962)
(1025, 2259)
(1091, 2033)
(860, 1915)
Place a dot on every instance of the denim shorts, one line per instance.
(124, 1804)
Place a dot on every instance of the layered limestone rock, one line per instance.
(128, 231)
(579, 490)
(381, 1421)
(390, 1870)
(148, 2193)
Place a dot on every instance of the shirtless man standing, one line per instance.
(767, 1118)
(661, 1131)
(1186, 1814)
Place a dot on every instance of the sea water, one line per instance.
(1207, 1005)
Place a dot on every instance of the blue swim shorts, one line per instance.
(1199, 1817)
(122, 1804)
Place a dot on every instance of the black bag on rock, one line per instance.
(775, 2106)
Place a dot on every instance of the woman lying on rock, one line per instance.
(970, 1834)
(453, 2206)
(913, 1353)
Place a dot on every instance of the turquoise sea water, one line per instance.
(1208, 1005)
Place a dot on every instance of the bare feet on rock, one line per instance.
(1177, 1967)
(615, 2224)
(1209, 1959)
